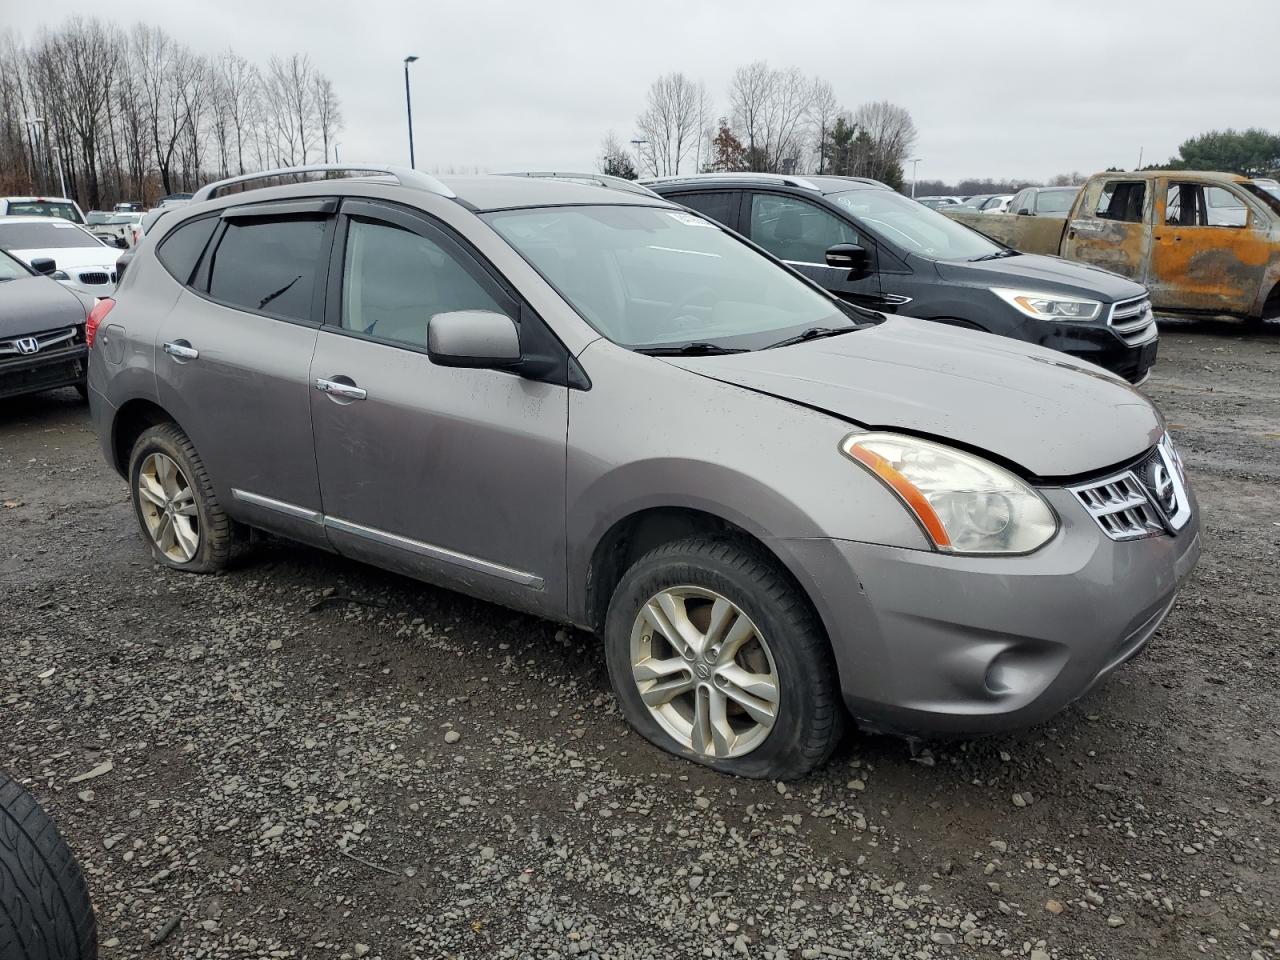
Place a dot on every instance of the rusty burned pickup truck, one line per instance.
(1203, 243)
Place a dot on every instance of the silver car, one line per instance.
(778, 511)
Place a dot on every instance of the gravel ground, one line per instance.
(307, 757)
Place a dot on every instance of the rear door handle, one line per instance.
(181, 350)
(338, 390)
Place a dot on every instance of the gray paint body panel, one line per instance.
(502, 487)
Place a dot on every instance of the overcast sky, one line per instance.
(999, 88)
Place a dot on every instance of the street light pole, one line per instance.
(637, 143)
(915, 167)
(52, 147)
(408, 105)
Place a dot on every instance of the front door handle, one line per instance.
(339, 391)
(180, 350)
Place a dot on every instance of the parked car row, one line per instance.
(777, 508)
(872, 246)
(1202, 243)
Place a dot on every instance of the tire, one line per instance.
(45, 913)
(789, 647)
(201, 510)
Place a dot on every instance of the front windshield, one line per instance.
(1056, 201)
(52, 234)
(647, 277)
(1267, 194)
(913, 227)
(11, 269)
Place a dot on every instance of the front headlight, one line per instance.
(963, 503)
(1049, 306)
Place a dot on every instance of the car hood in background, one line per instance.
(1035, 271)
(1051, 414)
(73, 258)
(33, 304)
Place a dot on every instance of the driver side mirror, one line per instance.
(44, 266)
(848, 256)
(1025, 212)
(473, 338)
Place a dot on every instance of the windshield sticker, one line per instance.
(688, 219)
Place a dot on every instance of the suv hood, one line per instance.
(36, 304)
(1050, 414)
(1052, 274)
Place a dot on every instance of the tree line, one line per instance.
(772, 120)
(134, 114)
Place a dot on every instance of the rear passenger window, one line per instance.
(269, 266)
(721, 205)
(180, 250)
(394, 280)
(1122, 200)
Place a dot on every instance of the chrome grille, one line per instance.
(94, 277)
(1146, 500)
(1133, 320)
(42, 341)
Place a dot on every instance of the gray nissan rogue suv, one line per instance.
(776, 509)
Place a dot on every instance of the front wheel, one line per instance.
(715, 656)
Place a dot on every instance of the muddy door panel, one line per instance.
(1201, 267)
(1038, 234)
(1119, 247)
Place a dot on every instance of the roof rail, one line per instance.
(404, 176)
(779, 178)
(594, 179)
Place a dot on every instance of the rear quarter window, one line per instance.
(180, 251)
(269, 265)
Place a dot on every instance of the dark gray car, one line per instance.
(41, 331)
(776, 509)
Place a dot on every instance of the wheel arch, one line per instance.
(131, 419)
(632, 536)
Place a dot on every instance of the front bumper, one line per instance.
(1101, 345)
(43, 371)
(927, 643)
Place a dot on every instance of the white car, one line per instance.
(59, 207)
(80, 259)
(998, 204)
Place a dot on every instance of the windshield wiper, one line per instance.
(1005, 252)
(697, 348)
(813, 333)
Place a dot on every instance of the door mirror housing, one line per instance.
(44, 265)
(848, 256)
(473, 338)
(1025, 212)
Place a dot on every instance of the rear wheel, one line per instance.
(716, 656)
(174, 502)
(45, 913)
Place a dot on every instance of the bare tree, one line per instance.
(670, 123)
(891, 134)
(823, 110)
(749, 94)
(328, 112)
(769, 109)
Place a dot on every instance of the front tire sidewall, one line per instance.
(165, 440)
(787, 752)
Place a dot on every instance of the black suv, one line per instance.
(870, 245)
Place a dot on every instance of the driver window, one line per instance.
(1122, 200)
(394, 280)
(797, 231)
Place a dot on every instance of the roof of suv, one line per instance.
(817, 183)
(495, 192)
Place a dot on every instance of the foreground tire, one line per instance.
(45, 912)
(174, 502)
(716, 656)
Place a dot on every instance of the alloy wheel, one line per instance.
(168, 507)
(704, 671)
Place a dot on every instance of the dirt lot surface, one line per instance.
(307, 757)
